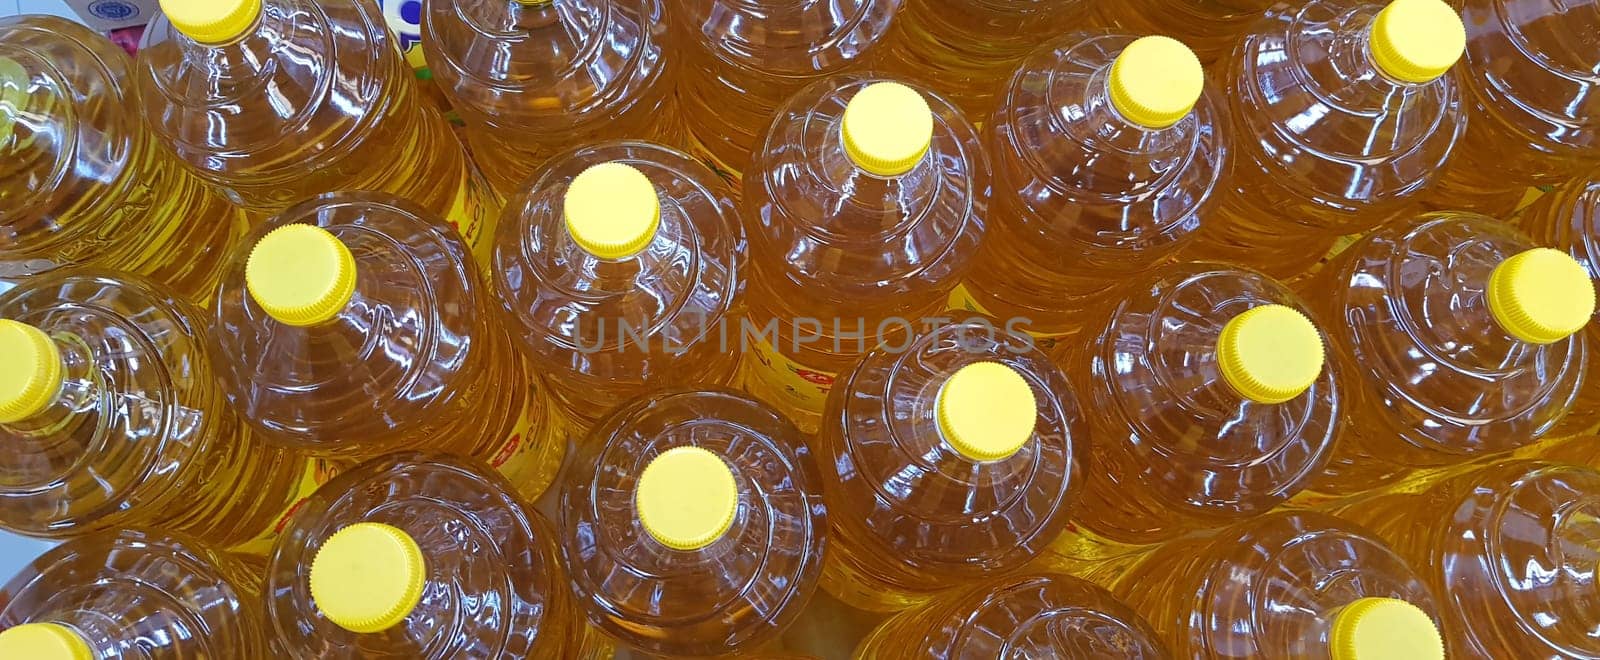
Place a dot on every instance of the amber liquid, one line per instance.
(1208, 27)
(1568, 219)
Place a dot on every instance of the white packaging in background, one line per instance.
(107, 15)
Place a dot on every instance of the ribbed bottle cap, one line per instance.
(367, 577)
(43, 641)
(212, 21)
(1270, 354)
(612, 210)
(300, 275)
(1541, 296)
(686, 498)
(986, 411)
(1385, 629)
(1156, 81)
(887, 128)
(1416, 41)
(31, 377)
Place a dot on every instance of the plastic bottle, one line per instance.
(693, 523)
(1285, 585)
(747, 57)
(422, 555)
(1466, 339)
(1107, 150)
(866, 206)
(533, 78)
(81, 179)
(353, 325)
(951, 457)
(1530, 80)
(132, 594)
(1568, 219)
(276, 101)
(1343, 112)
(111, 418)
(1028, 616)
(1210, 27)
(968, 48)
(624, 265)
(1214, 402)
(1515, 545)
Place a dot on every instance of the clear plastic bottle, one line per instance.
(865, 208)
(1343, 112)
(111, 418)
(82, 182)
(132, 594)
(1568, 219)
(534, 78)
(1530, 80)
(624, 266)
(1210, 27)
(1466, 339)
(420, 555)
(1215, 404)
(1304, 586)
(1107, 150)
(353, 324)
(276, 101)
(968, 48)
(951, 457)
(693, 524)
(744, 58)
(1028, 616)
(1514, 545)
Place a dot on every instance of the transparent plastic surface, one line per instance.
(81, 181)
(1029, 616)
(1082, 194)
(732, 596)
(968, 48)
(745, 58)
(1515, 547)
(1568, 219)
(140, 434)
(603, 331)
(1268, 588)
(1326, 144)
(142, 594)
(493, 586)
(420, 358)
(845, 259)
(1442, 382)
(911, 516)
(1532, 79)
(1177, 448)
(533, 79)
(1210, 28)
(314, 98)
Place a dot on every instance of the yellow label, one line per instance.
(467, 215)
(515, 457)
(962, 300)
(1530, 196)
(776, 374)
(531, 455)
(317, 472)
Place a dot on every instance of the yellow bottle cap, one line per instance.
(986, 411)
(300, 275)
(1270, 354)
(1416, 41)
(686, 498)
(31, 379)
(1156, 81)
(1541, 296)
(1385, 629)
(367, 577)
(612, 210)
(44, 641)
(887, 128)
(212, 21)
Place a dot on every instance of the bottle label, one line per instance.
(317, 472)
(962, 300)
(769, 372)
(466, 214)
(516, 458)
